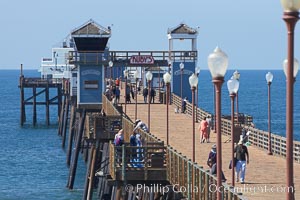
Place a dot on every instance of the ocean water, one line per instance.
(253, 98)
(33, 164)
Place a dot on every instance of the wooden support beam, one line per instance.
(47, 105)
(71, 133)
(61, 117)
(59, 99)
(66, 116)
(34, 106)
(77, 149)
(92, 172)
(22, 105)
(87, 176)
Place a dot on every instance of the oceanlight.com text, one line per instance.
(213, 188)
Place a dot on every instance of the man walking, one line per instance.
(242, 157)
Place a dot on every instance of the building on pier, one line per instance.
(89, 57)
(188, 60)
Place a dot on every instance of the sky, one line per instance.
(252, 33)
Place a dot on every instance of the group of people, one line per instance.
(135, 140)
(146, 94)
(112, 91)
(204, 129)
(242, 159)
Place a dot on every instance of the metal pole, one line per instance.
(232, 96)
(291, 19)
(136, 99)
(237, 108)
(125, 93)
(167, 102)
(218, 84)
(215, 111)
(181, 87)
(149, 82)
(197, 100)
(193, 119)
(269, 121)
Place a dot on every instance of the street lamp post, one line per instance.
(290, 16)
(217, 63)
(237, 75)
(125, 76)
(233, 87)
(149, 78)
(136, 74)
(197, 70)
(269, 78)
(167, 80)
(193, 80)
(181, 66)
(111, 64)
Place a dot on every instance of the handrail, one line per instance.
(257, 137)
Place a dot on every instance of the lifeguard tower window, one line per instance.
(90, 44)
(91, 84)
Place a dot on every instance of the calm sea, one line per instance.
(32, 162)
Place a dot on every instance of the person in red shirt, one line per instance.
(117, 82)
(203, 130)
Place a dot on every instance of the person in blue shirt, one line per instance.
(133, 143)
(117, 92)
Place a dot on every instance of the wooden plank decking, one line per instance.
(265, 175)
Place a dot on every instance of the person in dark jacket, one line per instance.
(145, 94)
(152, 95)
(212, 161)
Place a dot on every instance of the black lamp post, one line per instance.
(290, 16)
(125, 91)
(111, 64)
(136, 74)
(233, 87)
(269, 78)
(149, 78)
(217, 63)
(167, 80)
(197, 71)
(181, 66)
(237, 75)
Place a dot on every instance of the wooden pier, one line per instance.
(90, 132)
(39, 87)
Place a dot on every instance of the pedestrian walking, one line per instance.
(212, 161)
(203, 130)
(242, 156)
(208, 129)
(117, 94)
(152, 95)
(145, 94)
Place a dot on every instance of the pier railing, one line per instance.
(128, 163)
(258, 138)
(120, 57)
(41, 81)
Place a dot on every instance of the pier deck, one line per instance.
(265, 175)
